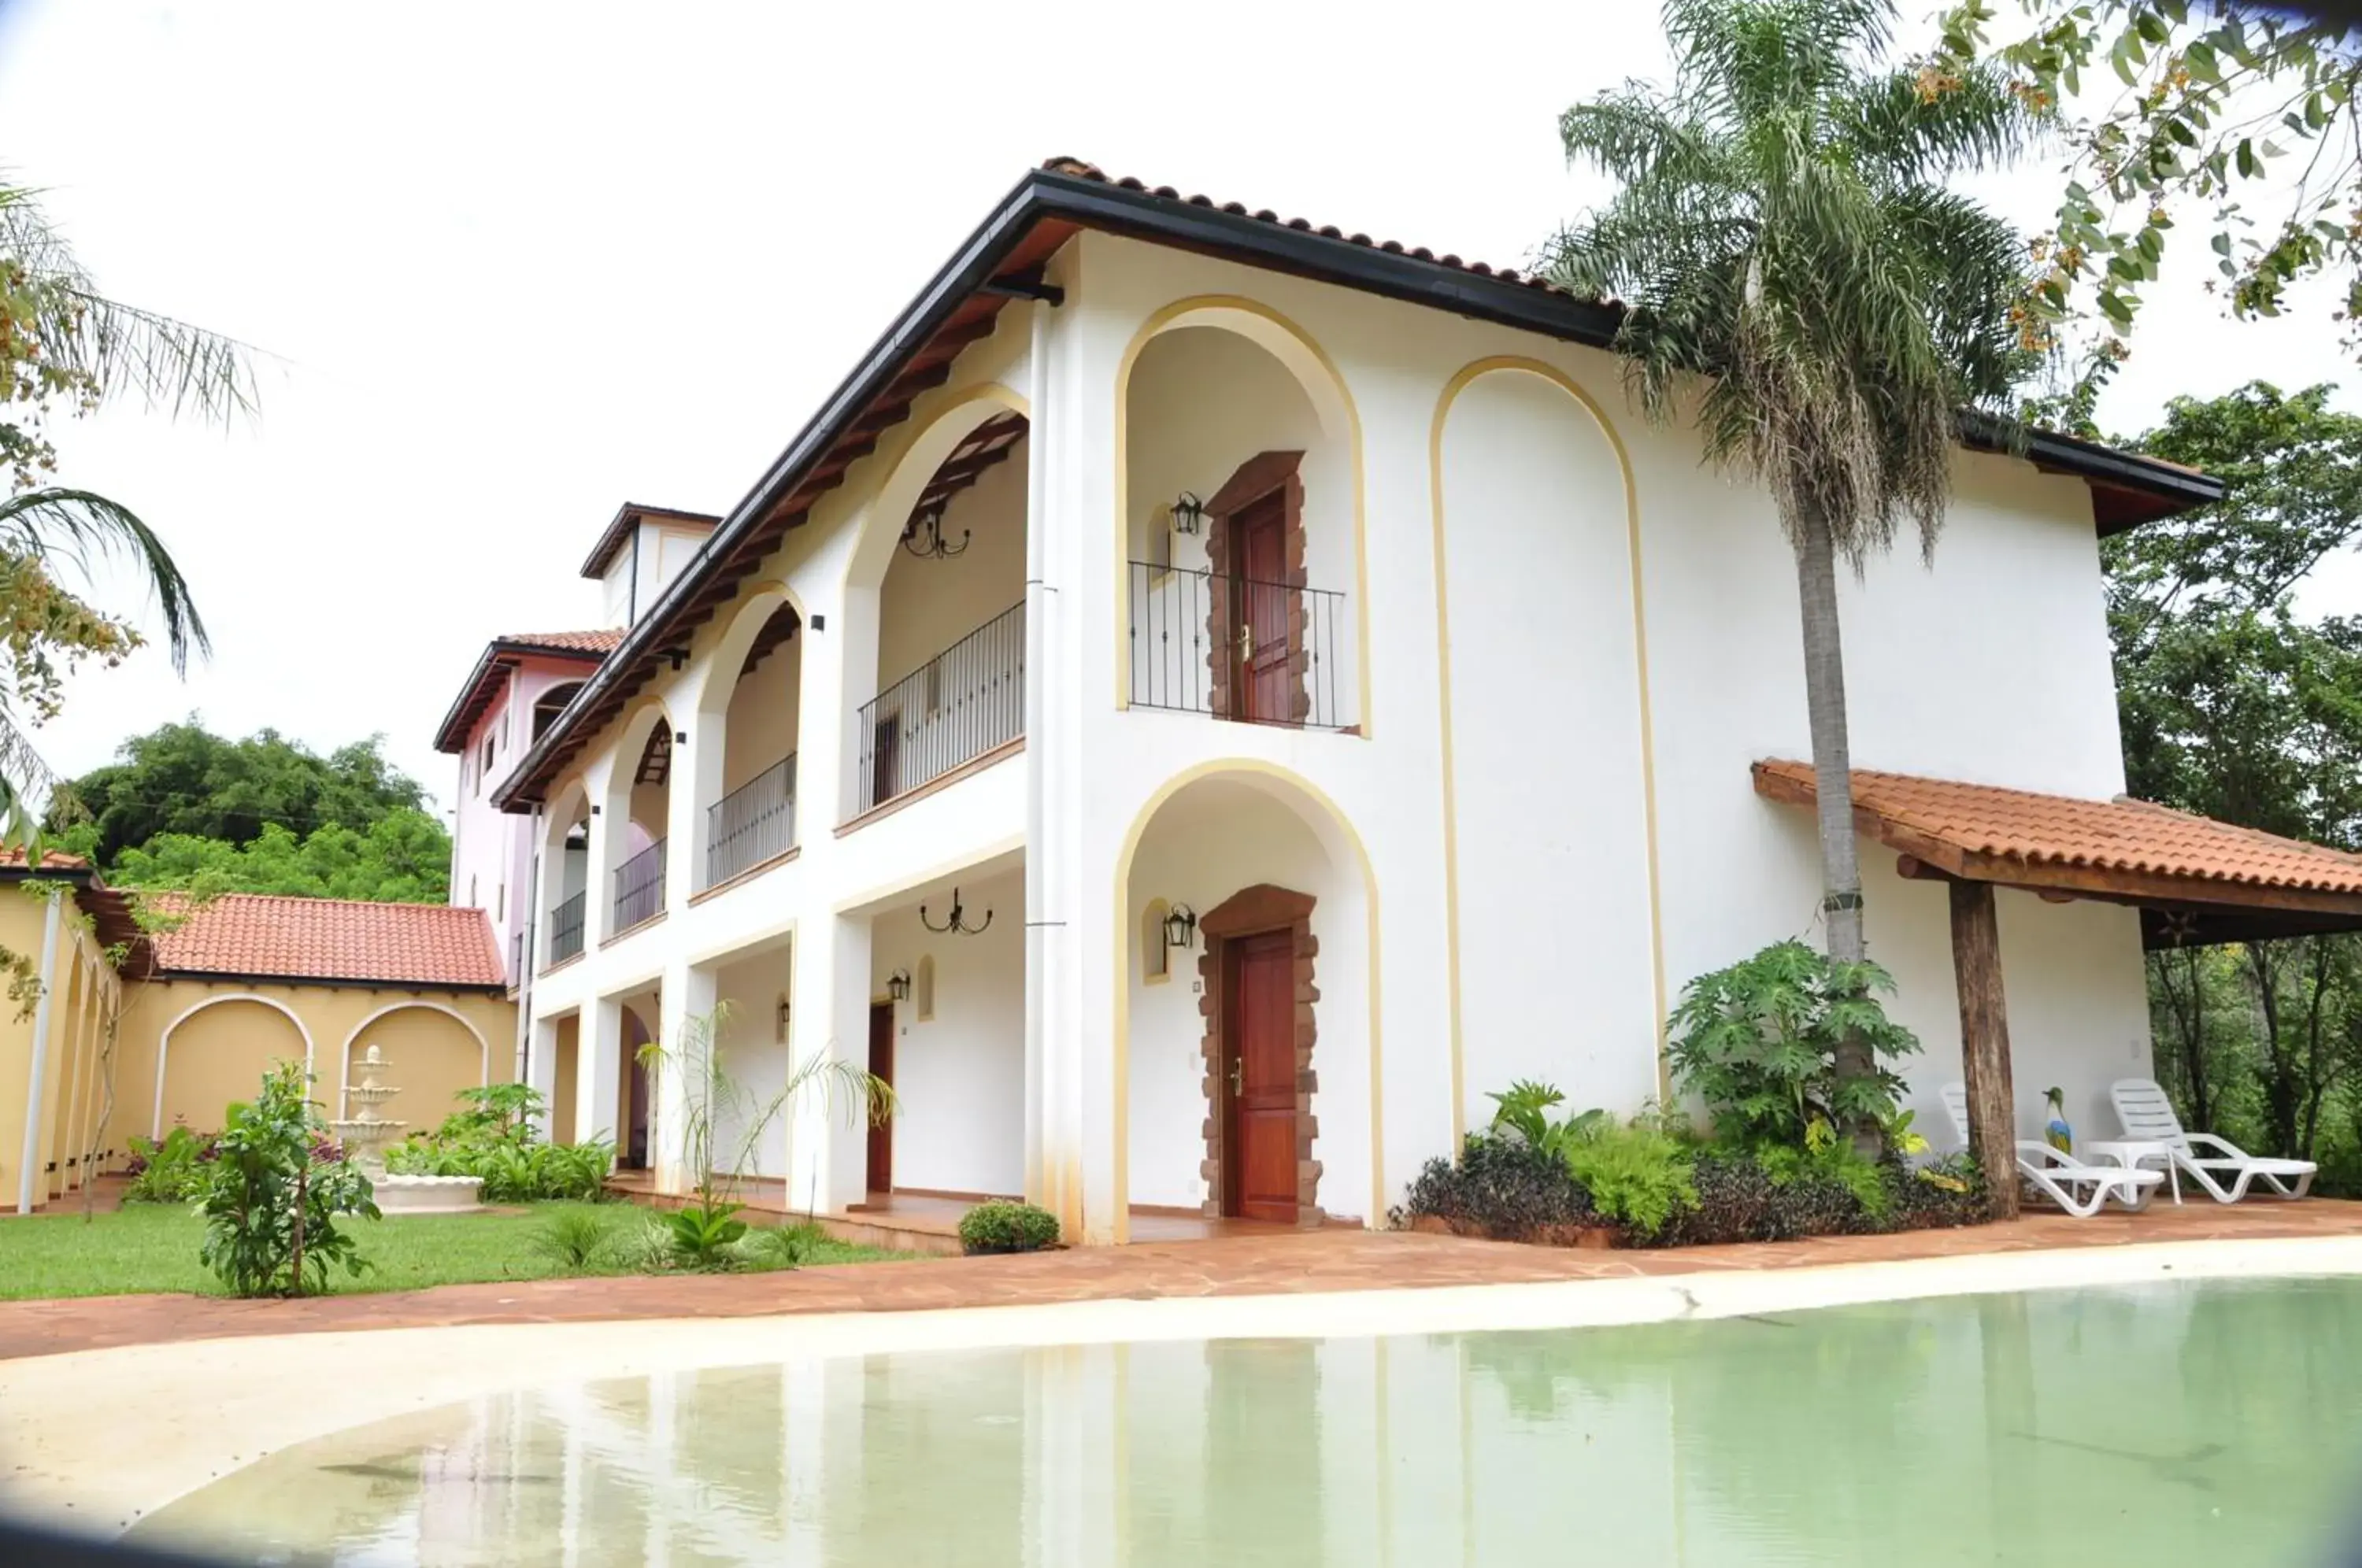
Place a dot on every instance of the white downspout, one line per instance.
(1038, 949)
(31, 1171)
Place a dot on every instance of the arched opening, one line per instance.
(746, 757)
(1539, 594)
(552, 703)
(566, 876)
(430, 1053)
(638, 810)
(944, 556)
(1241, 525)
(216, 1053)
(1248, 1094)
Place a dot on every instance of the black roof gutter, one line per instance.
(1046, 193)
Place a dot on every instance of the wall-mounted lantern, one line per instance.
(897, 985)
(783, 1020)
(1180, 926)
(1188, 513)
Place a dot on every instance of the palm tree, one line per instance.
(62, 341)
(1796, 276)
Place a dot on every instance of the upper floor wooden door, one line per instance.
(1259, 607)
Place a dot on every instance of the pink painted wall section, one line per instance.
(491, 850)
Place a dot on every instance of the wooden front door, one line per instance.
(881, 1066)
(1259, 596)
(1259, 1056)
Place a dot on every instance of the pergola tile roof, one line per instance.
(2036, 831)
(341, 940)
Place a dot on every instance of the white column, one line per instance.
(828, 1146)
(541, 1069)
(598, 1070)
(696, 785)
(685, 1029)
(29, 1175)
(822, 796)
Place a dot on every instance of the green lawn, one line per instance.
(148, 1247)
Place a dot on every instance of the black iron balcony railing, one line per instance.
(639, 887)
(1232, 648)
(955, 707)
(752, 823)
(566, 927)
(520, 954)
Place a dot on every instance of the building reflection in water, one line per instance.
(2165, 1421)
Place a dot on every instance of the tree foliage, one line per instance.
(275, 1192)
(1799, 278)
(2237, 113)
(2236, 706)
(66, 348)
(404, 858)
(184, 780)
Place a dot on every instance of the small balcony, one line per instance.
(965, 702)
(1235, 647)
(753, 823)
(566, 927)
(639, 887)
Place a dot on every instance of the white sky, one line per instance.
(519, 264)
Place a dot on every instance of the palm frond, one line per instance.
(25, 780)
(120, 349)
(1915, 131)
(78, 526)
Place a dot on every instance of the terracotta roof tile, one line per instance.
(599, 642)
(2063, 832)
(333, 939)
(1080, 169)
(51, 859)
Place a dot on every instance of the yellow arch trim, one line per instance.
(345, 1065)
(1122, 926)
(164, 1043)
(982, 391)
(1163, 319)
(1459, 384)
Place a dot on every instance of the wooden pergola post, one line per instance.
(1984, 1042)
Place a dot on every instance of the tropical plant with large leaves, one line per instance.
(65, 346)
(1798, 280)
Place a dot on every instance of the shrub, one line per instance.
(173, 1171)
(1002, 1226)
(701, 1236)
(576, 1240)
(1636, 1174)
(270, 1209)
(1757, 1041)
(783, 1246)
(1503, 1187)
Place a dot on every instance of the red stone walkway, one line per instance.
(1247, 1265)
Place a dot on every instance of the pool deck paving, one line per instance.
(1269, 1264)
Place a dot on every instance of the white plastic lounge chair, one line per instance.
(2077, 1188)
(2148, 1117)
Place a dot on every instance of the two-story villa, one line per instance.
(1209, 698)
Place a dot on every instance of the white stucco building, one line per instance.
(1166, 558)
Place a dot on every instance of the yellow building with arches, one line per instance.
(119, 1033)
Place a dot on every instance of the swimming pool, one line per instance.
(2211, 1420)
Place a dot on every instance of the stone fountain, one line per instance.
(365, 1136)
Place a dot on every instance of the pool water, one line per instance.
(2215, 1422)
